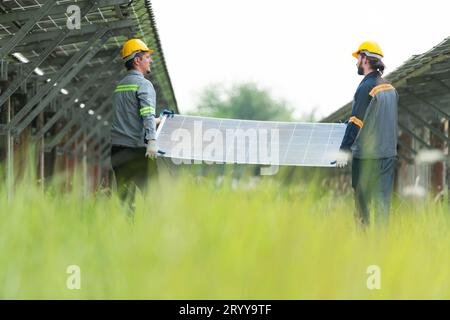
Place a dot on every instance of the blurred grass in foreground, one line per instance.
(191, 240)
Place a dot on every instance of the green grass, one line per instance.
(190, 240)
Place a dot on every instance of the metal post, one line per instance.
(41, 154)
(419, 139)
(447, 127)
(437, 132)
(61, 134)
(85, 169)
(431, 105)
(9, 155)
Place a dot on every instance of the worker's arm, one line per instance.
(147, 104)
(361, 101)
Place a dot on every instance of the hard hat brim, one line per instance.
(375, 55)
(131, 56)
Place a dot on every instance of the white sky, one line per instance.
(299, 50)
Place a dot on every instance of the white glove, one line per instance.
(152, 149)
(342, 159)
(341, 163)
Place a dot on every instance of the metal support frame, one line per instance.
(105, 149)
(415, 136)
(57, 139)
(81, 129)
(60, 135)
(440, 65)
(9, 155)
(93, 123)
(104, 141)
(93, 149)
(56, 84)
(88, 88)
(431, 105)
(84, 171)
(55, 91)
(20, 35)
(69, 102)
(60, 60)
(71, 39)
(93, 78)
(3, 71)
(97, 68)
(86, 30)
(57, 10)
(29, 71)
(95, 131)
(404, 145)
(41, 155)
(426, 124)
(104, 155)
(92, 132)
(441, 83)
(73, 138)
(51, 122)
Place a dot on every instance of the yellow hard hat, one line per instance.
(372, 49)
(132, 46)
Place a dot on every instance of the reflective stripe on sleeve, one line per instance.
(356, 121)
(146, 110)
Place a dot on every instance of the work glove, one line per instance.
(342, 159)
(168, 113)
(341, 163)
(152, 149)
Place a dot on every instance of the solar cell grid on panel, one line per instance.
(250, 142)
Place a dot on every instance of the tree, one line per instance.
(242, 101)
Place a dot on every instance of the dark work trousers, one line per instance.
(373, 180)
(131, 169)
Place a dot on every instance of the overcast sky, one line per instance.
(299, 50)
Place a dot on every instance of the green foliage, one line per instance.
(243, 101)
(193, 240)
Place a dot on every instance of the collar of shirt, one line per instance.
(373, 74)
(136, 73)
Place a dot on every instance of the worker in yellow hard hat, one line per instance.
(369, 52)
(134, 47)
(370, 138)
(133, 128)
(371, 48)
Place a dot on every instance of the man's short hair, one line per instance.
(130, 63)
(375, 63)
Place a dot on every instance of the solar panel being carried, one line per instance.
(214, 140)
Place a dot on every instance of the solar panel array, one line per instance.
(214, 140)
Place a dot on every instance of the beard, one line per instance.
(360, 70)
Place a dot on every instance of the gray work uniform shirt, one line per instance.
(372, 128)
(377, 139)
(134, 104)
